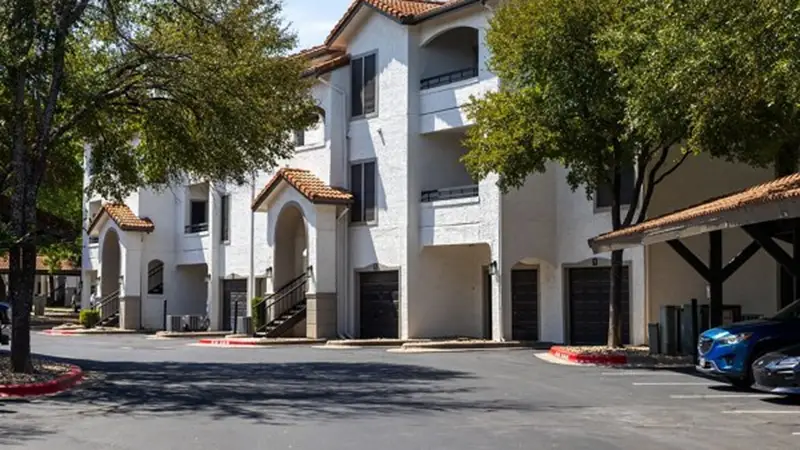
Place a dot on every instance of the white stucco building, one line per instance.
(375, 220)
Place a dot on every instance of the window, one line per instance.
(363, 87)
(197, 217)
(299, 138)
(604, 195)
(225, 214)
(362, 182)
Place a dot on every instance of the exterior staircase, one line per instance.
(109, 310)
(284, 309)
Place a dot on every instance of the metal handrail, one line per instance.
(108, 306)
(449, 193)
(283, 300)
(196, 228)
(448, 78)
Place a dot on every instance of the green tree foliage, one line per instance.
(562, 101)
(157, 89)
(728, 66)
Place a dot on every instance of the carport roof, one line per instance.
(774, 200)
(124, 218)
(306, 183)
(64, 267)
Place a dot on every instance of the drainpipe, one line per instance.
(345, 146)
(251, 289)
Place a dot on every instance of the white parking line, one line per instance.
(763, 411)
(639, 374)
(678, 383)
(703, 396)
(796, 433)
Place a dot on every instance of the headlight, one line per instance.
(735, 338)
(787, 363)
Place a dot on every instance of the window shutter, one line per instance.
(356, 188)
(369, 191)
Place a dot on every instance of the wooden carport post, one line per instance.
(790, 263)
(715, 273)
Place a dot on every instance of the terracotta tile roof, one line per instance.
(41, 265)
(124, 217)
(403, 11)
(772, 191)
(312, 188)
(322, 66)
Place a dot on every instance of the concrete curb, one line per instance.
(580, 358)
(257, 342)
(359, 343)
(79, 332)
(455, 345)
(60, 384)
(190, 335)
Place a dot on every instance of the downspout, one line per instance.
(251, 289)
(346, 184)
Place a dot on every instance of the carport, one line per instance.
(766, 212)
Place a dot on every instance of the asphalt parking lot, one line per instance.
(164, 394)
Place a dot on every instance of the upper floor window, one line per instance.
(299, 138)
(604, 196)
(362, 182)
(225, 213)
(363, 86)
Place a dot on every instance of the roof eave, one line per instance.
(443, 10)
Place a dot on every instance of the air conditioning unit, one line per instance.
(174, 323)
(192, 323)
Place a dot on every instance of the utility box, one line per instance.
(669, 332)
(39, 303)
(654, 338)
(245, 325)
(174, 324)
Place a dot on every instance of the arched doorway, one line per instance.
(291, 246)
(111, 261)
(155, 277)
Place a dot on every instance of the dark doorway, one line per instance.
(379, 297)
(487, 304)
(589, 292)
(525, 305)
(233, 292)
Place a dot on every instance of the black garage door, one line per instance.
(525, 305)
(233, 292)
(589, 292)
(379, 300)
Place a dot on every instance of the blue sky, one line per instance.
(313, 19)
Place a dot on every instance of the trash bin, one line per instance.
(39, 303)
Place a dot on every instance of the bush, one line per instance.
(257, 312)
(89, 318)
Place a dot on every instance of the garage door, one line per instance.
(525, 305)
(589, 292)
(379, 301)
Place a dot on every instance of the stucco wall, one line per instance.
(671, 279)
(191, 297)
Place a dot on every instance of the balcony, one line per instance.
(196, 228)
(450, 216)
(448, 78)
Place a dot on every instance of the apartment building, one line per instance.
(374, 229)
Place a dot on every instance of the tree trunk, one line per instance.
(615, 301)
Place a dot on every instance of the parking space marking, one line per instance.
(678, 383)
(704, 396)
(640, 374)
(762, 411)
(796, 433)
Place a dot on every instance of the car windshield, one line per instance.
(788, 313)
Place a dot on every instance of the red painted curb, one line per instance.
(62, 383)
(571, 356)
(62, 332)
(232, 342)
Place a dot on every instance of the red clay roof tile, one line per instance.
(305, 182)
(124, 217)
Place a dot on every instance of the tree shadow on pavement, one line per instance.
(281, 393)
(16, 432)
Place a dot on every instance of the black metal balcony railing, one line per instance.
(94, 239)
(449, 77)
(450, 193)
(197, 227)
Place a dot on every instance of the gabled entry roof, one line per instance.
(122, 215)
(306, 183)
(774, 200)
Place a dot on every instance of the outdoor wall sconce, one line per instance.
(268, 272)
(208, 277)
(310, 269)
(493, 268)
(121, 279)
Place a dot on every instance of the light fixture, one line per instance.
(268, 272)
(208, 277)
(493, 268)
(310, 269)
(121, 279)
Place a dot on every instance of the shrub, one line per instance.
(257, 312)
(89, 318)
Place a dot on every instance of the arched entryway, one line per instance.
(111, 262)
(155, 277)
(291, 246)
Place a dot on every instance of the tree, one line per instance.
(563, 102)
(730, 66)
(155, 89)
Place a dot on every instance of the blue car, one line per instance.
(729, 352)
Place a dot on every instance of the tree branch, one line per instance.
(652, 181)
